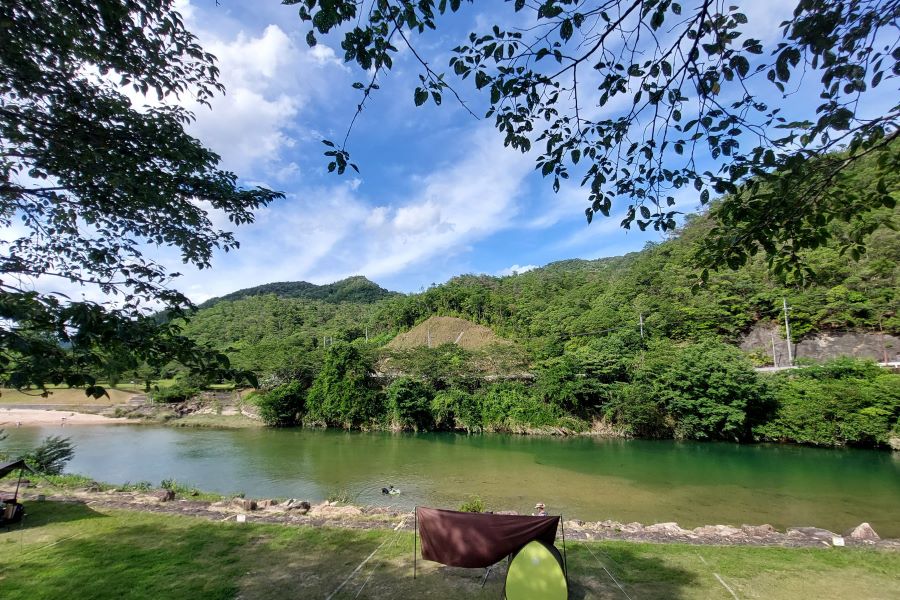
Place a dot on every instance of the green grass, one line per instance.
(217, 421)
(63, 395)
(64, 548)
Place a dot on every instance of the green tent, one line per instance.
(537, 573)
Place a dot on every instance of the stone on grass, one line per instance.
(164, 495)
(266, 503)
(864, 532)
(822, 535)
(244, 503)
(301, 506)
(758, 530)
(665, 528)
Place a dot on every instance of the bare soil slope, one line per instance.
(446, 330)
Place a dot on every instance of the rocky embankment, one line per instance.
(332, 514)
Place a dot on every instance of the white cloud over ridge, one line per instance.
(327, 233)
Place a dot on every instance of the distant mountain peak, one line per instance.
(356, 288)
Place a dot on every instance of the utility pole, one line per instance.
(642, 326)
(774, 356)
(787, 331)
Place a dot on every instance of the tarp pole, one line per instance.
(565, 557)
(415, 535)
(16, 496)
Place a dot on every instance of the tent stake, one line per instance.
(565, 557)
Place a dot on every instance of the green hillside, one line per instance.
(637, 344)
(352, 289)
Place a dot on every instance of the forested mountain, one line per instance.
(641, 343)
(566, 305)
(352, 289)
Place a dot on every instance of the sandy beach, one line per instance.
(9, 417)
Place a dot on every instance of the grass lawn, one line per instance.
(63, 395)
(72, 550)
(217, 421)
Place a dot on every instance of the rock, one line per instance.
(758, 530)
(266, 503)
(894, 443)
(94, 487)
(301, 506)
(328, 510)
(717, 530)
(244, 503)
(632, 527)
(506, 512)
(822, 535)
(164, 495)
(665, 528)
(574, 525)
(864, 532)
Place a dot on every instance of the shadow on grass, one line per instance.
(138, 555)
(39, 514)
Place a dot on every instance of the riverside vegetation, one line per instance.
(570, 351)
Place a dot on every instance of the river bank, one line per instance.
(293, 512)
(28, 417)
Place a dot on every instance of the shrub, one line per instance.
(341, 394)
(409, 403)
(52, 455)
(282, 406)
(706, 390)
(841, 402)
(474, 505)
(509, 407)
(178, 392)
(457, 409)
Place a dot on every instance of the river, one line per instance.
(580, 477)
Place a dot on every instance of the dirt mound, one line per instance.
(446, 330)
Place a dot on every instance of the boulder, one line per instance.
(717, 531)
(633, 527)
(894, 443)
(164, 495)
(864, 532)
(266, 503)
(758, 530)
(244, 503)
(301, 506)
(822, 535)
(666, 529)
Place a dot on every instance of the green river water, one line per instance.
(586, 478)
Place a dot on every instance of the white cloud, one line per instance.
(516, 269)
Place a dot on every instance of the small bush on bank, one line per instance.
(473, 505)
(52, 455)
(178, 392)
(282, 406)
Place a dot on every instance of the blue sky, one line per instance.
(438, 194)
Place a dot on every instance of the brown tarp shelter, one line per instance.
(463, 539)
(10, 467)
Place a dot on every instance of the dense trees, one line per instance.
(88, 177)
